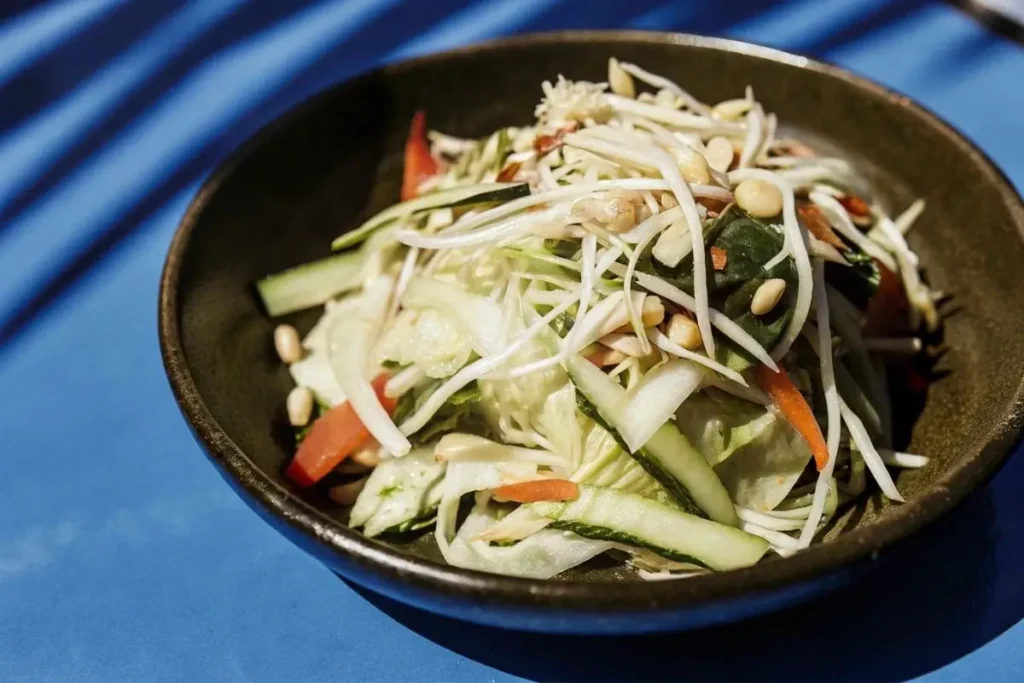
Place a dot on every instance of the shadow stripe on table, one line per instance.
(704, 18)
(250, 20)
(886, 16)
(992, 19)
(30, 150)
(35, 33)
(482, 19)
(107, 238)
(74, 58)
(144, 155)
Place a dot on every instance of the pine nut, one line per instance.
(719, 153)
(628, 344)
(300, 406)
(758, 198)
(287, 344)
(627, 197)
(620, 81)
(585, 209)
(605, 357)
(767, 296)
(695, 170)
(653, 311)
(684, 331)
(668, 99)
(346, 494)
(623, 222)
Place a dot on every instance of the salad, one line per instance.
(642, 326)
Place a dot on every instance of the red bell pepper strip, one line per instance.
(793, 406)
(419, 165)
(337, 434)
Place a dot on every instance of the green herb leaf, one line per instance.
(748, 244)
(858, 281)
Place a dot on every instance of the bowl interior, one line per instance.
(337, 159)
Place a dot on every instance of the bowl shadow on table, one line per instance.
(927, 605)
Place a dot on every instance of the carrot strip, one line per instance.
(509, 172)
(794, 408)
(419, 165)
(816, 223)
(336, 435)
(719, 258)
(536, 491)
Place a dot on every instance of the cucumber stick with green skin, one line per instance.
(311, 283)
(622, 517)
(442, 199)
(667, 455)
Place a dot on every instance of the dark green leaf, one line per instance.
(858, 281)
(563, 248)
(457, 414)
(562, 324)
(462, 419)
(748, 244)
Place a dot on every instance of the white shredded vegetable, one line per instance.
(590, 329)
(349, 342)
(828, 381)
(656, 399)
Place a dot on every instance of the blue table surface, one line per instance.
(123, 555)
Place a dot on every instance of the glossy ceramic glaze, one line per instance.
(337, 158)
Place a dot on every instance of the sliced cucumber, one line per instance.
(668, 456)
(311, 283)
(611, 515)
(456, 196)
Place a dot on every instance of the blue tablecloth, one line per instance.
(123, 556)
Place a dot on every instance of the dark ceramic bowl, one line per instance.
(336, 158)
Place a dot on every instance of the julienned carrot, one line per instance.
(719, 258)
(794, 408)
(538, 490)
(509, 172)
(419, 165)
(337, 434)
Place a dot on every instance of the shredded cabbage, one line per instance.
(481, 302)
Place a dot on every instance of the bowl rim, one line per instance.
(318, 530)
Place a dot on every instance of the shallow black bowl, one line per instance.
(281, 199)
